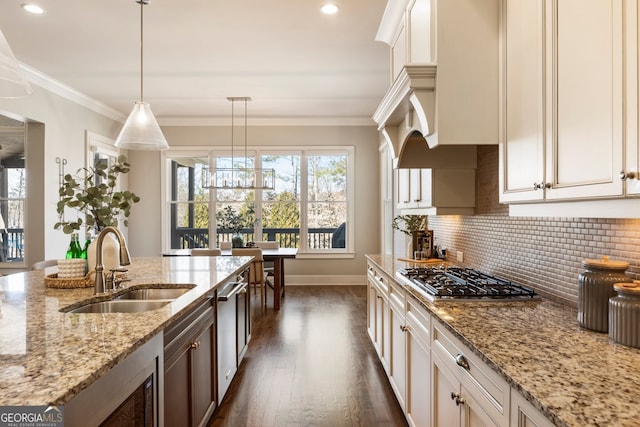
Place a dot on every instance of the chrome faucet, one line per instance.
(125, 258)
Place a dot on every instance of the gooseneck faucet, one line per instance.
(125, 258)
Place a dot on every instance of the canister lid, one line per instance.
(628, 288)
(606, 263)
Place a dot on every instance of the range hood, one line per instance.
(422, 102)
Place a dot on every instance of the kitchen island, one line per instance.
(573, 376)
(48, 357)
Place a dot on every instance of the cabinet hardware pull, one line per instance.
(194, 345)
(403, 328)
(627, 175)
(462, 361)
(541, 186)
(459, 400)
(378, 296)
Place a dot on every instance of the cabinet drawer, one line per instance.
(397, 297)
(379, 279)
(180, 334)
(419, 321)
(487, 387)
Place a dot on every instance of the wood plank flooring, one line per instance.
(311, 364)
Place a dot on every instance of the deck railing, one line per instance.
(188, 238)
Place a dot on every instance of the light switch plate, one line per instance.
(459, 256)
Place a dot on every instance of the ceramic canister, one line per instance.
(595, 287)
(624, 314)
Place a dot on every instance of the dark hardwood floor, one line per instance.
(311, 364)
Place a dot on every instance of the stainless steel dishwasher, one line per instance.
(227, 324)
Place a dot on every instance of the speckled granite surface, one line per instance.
(47, 356)
(574, 376)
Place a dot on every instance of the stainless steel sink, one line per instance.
(120, 306)
(153, 294)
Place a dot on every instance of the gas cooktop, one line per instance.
(463, 284)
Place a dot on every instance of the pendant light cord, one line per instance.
(142, 3)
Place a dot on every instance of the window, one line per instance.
(13, 191)
(310, 207)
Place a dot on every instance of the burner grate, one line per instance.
(464, 283)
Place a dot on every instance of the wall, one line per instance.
(545, 253)
(144, 179)
(58, 121)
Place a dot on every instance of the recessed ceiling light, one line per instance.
(33, 8)
(329, 9)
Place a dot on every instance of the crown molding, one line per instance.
(47, 82)
(274, 121)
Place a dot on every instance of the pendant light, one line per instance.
(13, 84)
(141, 130)
(238, 177)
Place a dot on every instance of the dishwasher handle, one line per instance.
(236, 289)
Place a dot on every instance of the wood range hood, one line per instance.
(429, 121)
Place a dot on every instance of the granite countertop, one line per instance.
(576, 377)
(47, 357)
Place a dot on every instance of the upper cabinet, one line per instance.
(569, 100)
(444, 72)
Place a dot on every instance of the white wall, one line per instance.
(64, 123)
(144, 180)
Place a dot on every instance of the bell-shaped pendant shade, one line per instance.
(141, 130)
(13, 84)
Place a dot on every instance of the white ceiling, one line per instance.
(297, 64)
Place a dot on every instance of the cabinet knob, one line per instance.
(627, 175)
(541, 185)
(195, 345)
(458, 399)
(403, 328)
(462, 361)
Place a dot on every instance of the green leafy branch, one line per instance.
(92, 192)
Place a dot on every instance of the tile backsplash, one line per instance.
(544, 253)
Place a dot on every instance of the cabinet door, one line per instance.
(418, 399)
(202, 371)
(397, 361)
(404, 188)
(584, 124)
(415, 187)
(523, 414)
(632, 91)
(177, 389)
(418, 408)
(474, 414)
(243, 319)
(522, 140)
(445, 387)
(372, 295)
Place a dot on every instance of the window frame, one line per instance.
(210, 153)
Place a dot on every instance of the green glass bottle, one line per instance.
(87, 242)
(75, 250)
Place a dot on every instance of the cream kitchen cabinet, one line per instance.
(418, 341)
(397, 327)
(404, 353)
(523, 414)
(466, 392)
(378, 313)
(562, 135)
(436, 191)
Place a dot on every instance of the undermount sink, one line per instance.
(121, 306)
(136, 300)
(153, 294)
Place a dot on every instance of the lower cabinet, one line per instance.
(464, 387)
(189, 368)
(523, 414)
(418, 399)
(437, 380)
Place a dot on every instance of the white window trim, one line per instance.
(258, 152)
